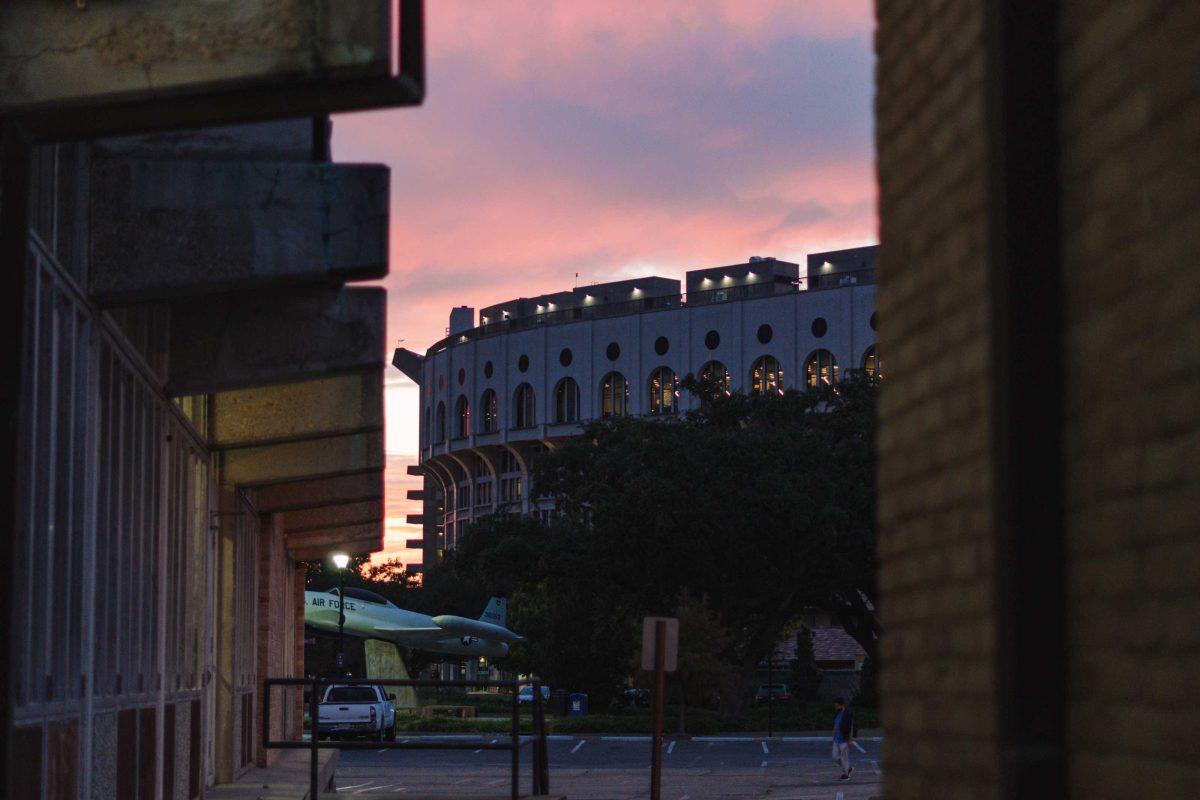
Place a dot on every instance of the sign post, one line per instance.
(660, 652)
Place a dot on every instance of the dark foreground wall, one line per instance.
(1098, 130)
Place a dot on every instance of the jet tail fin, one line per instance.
(496, 612)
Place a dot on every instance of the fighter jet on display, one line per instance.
(371, 616)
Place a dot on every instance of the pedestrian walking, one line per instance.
(844, 731)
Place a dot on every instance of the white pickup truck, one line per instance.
(357, 711)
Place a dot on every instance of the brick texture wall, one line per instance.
(935, 537)
(1130, 121)
(1130, 158)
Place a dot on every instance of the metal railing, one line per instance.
(514, 743)
(810, 283)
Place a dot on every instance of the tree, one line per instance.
(806, 678)
(737, 516)
(703, 674)
(761, 504)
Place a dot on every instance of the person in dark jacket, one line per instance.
(844, 731)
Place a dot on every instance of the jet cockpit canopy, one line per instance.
(365, 595)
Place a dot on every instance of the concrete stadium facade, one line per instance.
(536, 370)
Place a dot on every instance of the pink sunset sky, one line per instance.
(612, 140)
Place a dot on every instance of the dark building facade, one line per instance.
(203, 412)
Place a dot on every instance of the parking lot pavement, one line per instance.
(596, 767)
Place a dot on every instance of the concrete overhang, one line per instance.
(341, 515)
(308, 459)
(342, 404)
(319, 492)
(346, 541)
(177, 228)
(408, 363)
(237, 341)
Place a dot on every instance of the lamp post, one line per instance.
(341, 560)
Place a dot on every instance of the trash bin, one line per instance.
(558, 703)
(577, 707)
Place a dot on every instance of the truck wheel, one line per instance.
(391, 733)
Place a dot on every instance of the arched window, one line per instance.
(766, 376)
(523, 410)
(716, 375)
(820, 370)
(462, 415)
(489, 412)
(614, 395)
(441, 422)
(664, 390)
(566, 401)
(871, 364)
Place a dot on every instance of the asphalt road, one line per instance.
(617, 767)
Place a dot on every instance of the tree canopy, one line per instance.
(756, 506)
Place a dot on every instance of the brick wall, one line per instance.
(1130, 199)
(1130, 121)
(936, 530)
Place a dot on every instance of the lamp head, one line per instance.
(340, 560)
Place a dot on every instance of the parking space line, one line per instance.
(351, 786)
(875, 766)
(763, 764)
(765, 750)
(671, 747)
(575, 749)
(860, 747)
(624, 738)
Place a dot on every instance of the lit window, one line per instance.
(766, 376)
(716, 375)
(821, 370)
(523, 408)
(462, 413)
(614, 395)
(664, 387)
(489, 412)
(441, 422)
(871, 364)
(566, 401)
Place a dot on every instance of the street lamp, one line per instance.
(341, 560)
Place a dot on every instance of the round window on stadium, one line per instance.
(523, 363)
(613, 351)
(712, 340)
(487, 369)
(662, 345)
(819, 327)
(565, 357)
(765, 333)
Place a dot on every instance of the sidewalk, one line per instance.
(286, 779)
